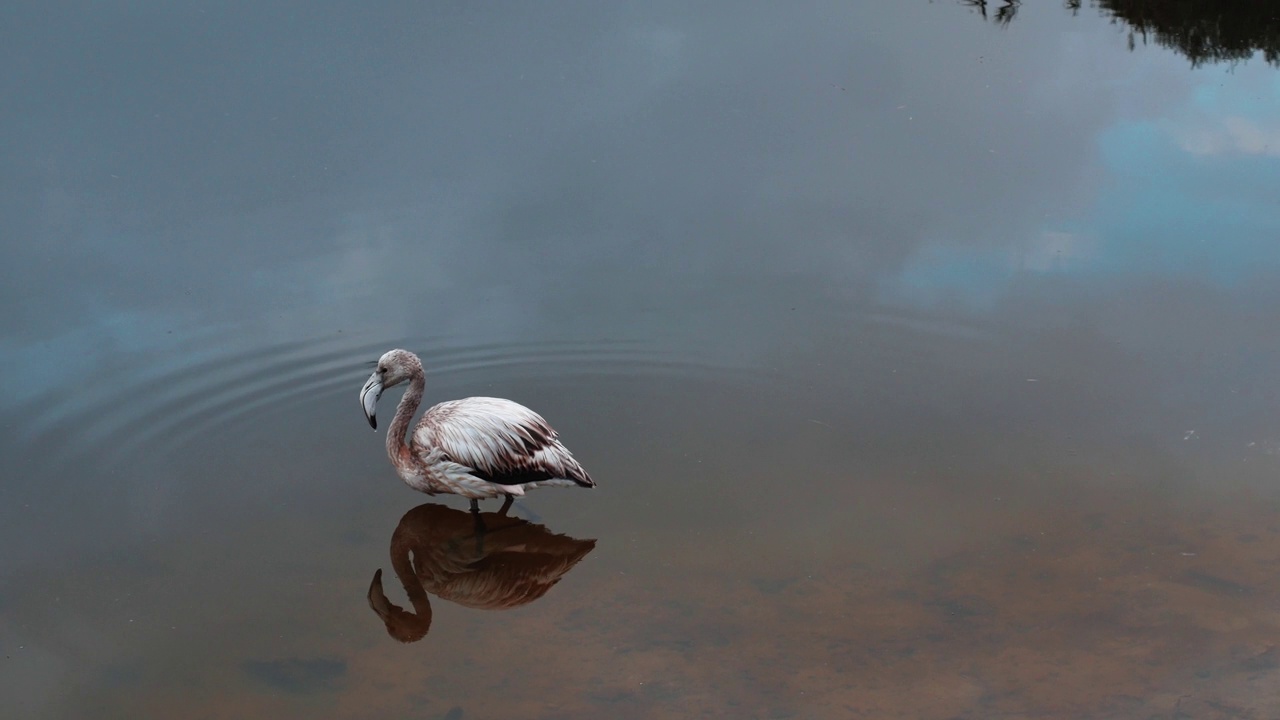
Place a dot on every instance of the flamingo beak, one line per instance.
(369, 395)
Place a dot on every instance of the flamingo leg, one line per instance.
(475, 506)
(506, 505)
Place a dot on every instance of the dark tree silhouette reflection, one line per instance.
(1205, 31)
(1002, 15)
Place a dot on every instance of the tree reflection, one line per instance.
(1205, 31)
(1003, 14)
(489, 561)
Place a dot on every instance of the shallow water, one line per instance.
(924, 354)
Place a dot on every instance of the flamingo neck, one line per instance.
(397, 448)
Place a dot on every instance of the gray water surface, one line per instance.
(925, 355)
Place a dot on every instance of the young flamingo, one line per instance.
(477, 447)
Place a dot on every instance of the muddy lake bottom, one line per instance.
(1102, 603)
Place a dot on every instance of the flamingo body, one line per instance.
(476, 447)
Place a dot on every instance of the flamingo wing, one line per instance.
(501, 442)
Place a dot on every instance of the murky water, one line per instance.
(925, 355)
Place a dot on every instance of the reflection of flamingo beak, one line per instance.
(404, 626)
(369, 395)
(378, 599)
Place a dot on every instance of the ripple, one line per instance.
(146, 404)
(164, 398)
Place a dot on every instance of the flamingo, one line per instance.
(476, 447)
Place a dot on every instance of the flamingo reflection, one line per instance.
(489, 561)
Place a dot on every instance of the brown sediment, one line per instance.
(1092, 609)
(1104, 604)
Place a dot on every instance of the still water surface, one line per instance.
(925, 355)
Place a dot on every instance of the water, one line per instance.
(924, 354)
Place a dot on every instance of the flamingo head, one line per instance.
(394, 367)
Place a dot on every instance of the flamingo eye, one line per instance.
(382, 369)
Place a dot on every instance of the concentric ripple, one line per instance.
(147, 402)
(168, 399)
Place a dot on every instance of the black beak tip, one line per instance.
(373, 423)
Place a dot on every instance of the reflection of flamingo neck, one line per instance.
(403, 568)
(405, 626)
(397, 449)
